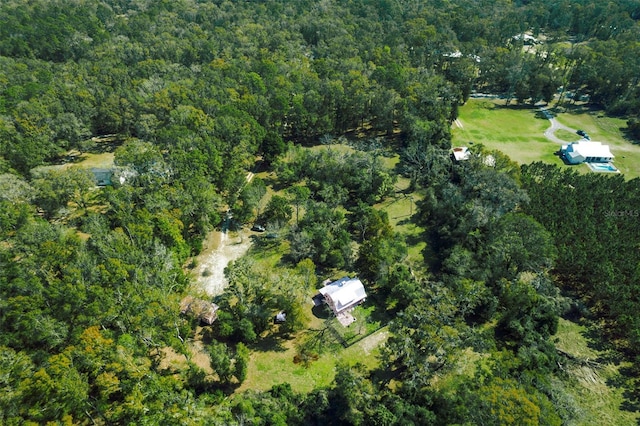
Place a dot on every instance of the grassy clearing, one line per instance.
(516, 131)
(400, 209)
(590, 388)
(102, 160)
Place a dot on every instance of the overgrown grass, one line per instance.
(589, 389)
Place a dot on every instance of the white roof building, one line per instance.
(526, 38)
(461, 153)
(586, 151)
(342, 296)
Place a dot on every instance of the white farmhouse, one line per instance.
(585, 151)
(342, 296)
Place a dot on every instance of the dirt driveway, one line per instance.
(220, 248)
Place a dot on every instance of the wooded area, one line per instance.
(187, 97)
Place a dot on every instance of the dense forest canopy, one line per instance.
(188, 94)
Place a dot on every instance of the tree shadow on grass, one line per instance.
(415, 239)
(600, 339)
(321, 311)
(579, 108)
(261, 242)
(516, 106)
(627, 380)
(628, 136)
(271, 342)
(383, 376)
(319, 341)
(378, 313)
(544, 115)
(274, 340)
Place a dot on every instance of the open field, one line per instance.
(103, 160)
(590, 385)
(518, 131)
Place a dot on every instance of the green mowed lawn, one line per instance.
(516, 131)
(519, 133)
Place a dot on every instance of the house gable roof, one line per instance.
(344, 293)
(588, 149)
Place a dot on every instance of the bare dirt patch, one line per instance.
(220, 249)
(369, 343)
(173, 361)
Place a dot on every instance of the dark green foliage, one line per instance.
(517, 243)
(56, 188)
(241, 362)
(596, 257)
(367, 222)
(399, 287)
(427, 337)
(377, 256)
(529, 319)
(255, 296)
(221, 361)
(272, 147)
(336, 178)
(634, 128)
(278, 212)
(462, 211)
(425, 164)
(321, 236)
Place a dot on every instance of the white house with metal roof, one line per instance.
(585, 151)
(342, 296)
